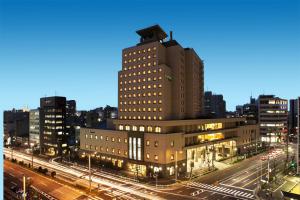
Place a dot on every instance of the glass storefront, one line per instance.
(204, 156)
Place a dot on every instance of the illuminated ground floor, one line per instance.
(205, 155)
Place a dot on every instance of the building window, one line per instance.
(91, 136)
(125, 140)
(142, 128)
(119, 140)
(134, 128)
(106, 138)
(147, 156)
(149, 129)
(156, 143)
(86, 136)
(112, 139)
(172, 157)
(172, 144)
(96, 137)
(127, 128)
(155, 157)
(121, 127)
(147, 143)
(157, 129)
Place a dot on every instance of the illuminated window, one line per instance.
(156, 157)
(127, 128)
(112, 139)
(142, 128)
(134, 128)
(160, 118)
(172, 157)
(157, 129)
(106, 149)
(121, 127)
(149, 129)
(125, 140)
(149, 49)
(119, 140)
(113, 150)
(147, 156)
(119, 151)
(156, 143)
(172, 144)
(106, 138)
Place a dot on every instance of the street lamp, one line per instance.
(32, 145)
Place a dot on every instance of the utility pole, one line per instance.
(90, 177)
(298, 124)
(268, 169)
(31, 155)
(24, 187)
(176, 166)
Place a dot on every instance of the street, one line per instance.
(236, 182)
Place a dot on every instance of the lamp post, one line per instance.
(24, 187)
(90, 176)
(298, 124)
(31, 145)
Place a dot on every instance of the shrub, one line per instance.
(53, 174)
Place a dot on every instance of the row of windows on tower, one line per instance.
(139, 58)
(141, 87)
(139, 51)
(141, 73)
(149, 64)
(140, 109)
(140, 95)
(140, 102)
(141, 117)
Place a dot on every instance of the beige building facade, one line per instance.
(159, 130)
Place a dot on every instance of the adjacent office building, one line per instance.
(272, 116)
(293, 112)
(34, 126)
(71, 122)
(53, 138)
(160, 99)
(214, 105)
(16, 126)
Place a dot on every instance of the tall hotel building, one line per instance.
(158, 129)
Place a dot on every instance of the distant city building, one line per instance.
(34, 126)
(248, 110)
(160, 99)
(293, 116)
(71, 122)
(214, 105)
(53, 138)
(272, 116)
(16, 126)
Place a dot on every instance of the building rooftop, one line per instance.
(152, 30)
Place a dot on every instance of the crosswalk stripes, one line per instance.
(233, 192)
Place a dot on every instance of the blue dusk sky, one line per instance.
(73, 48)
